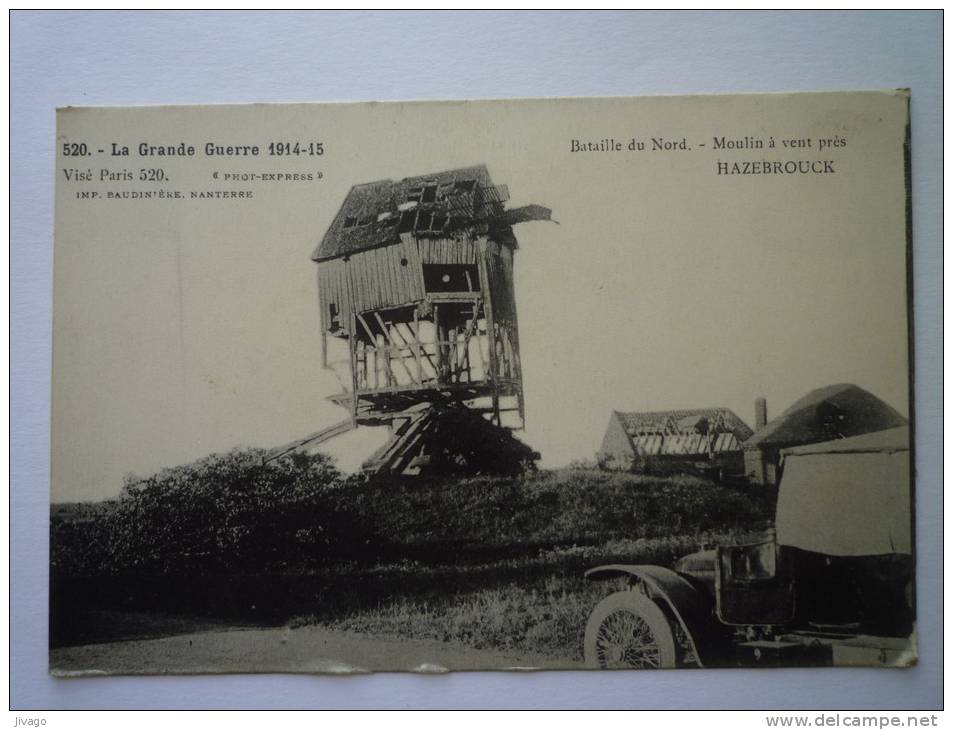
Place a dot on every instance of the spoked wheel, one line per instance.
(627, 630)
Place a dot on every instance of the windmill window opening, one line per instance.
(425, 220)
(426, 193)
(451, 278)
(350, 221)
(334, 317)
(407, 220)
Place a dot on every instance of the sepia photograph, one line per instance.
(602, 383)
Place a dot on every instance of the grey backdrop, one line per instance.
(123, 58)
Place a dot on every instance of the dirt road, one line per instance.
(308, 649)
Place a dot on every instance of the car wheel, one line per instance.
(627, 630)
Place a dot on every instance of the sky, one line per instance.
(186, 327)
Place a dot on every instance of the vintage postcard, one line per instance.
(547, 383)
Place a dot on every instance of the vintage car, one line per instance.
(831, 584)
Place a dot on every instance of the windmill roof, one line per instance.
(858, 411)
(358, 225)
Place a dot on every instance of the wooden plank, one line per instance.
(397, 274)
(378, 272)
(504, 353)
(380, 282)
(324, 287)
(437, 338)
(400, 357)
(399, 340)
(416, 270)
(370, 353)
(490, 329)
(384, 352)
(452, 353)
(369, 298)
(346, 299)
(462, 296)
(479, 349)
(361, 365)
(412, 276)
(419, 273)
(372, 287)
(356, 279)
(344, 296)
(399, 439)
(471, 391)
(347, 308)
(467, 337)
(510, 353)
(406, 455)
(418, 345)
(514, 319)
(370, 334)
(356, 284)
(313, 440)
(352, 343)
(432, 252)
(374, 291)
(403, 276)
(416, 351)
(389, 262)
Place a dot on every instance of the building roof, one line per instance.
(374, 214)
(686, 421)
(889, 440)
(831, 412)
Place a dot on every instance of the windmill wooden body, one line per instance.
(418, 310)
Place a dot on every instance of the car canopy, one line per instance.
(848, 497)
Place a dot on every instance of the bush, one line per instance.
(227, 513)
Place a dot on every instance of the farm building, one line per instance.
(833, 412)
(418, 311)
(691, 439)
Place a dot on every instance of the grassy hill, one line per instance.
(479, 560)
(496, 517)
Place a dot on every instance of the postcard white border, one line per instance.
(123, 58)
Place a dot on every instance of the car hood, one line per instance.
(700, 566)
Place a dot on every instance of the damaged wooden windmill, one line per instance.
(418, 321)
